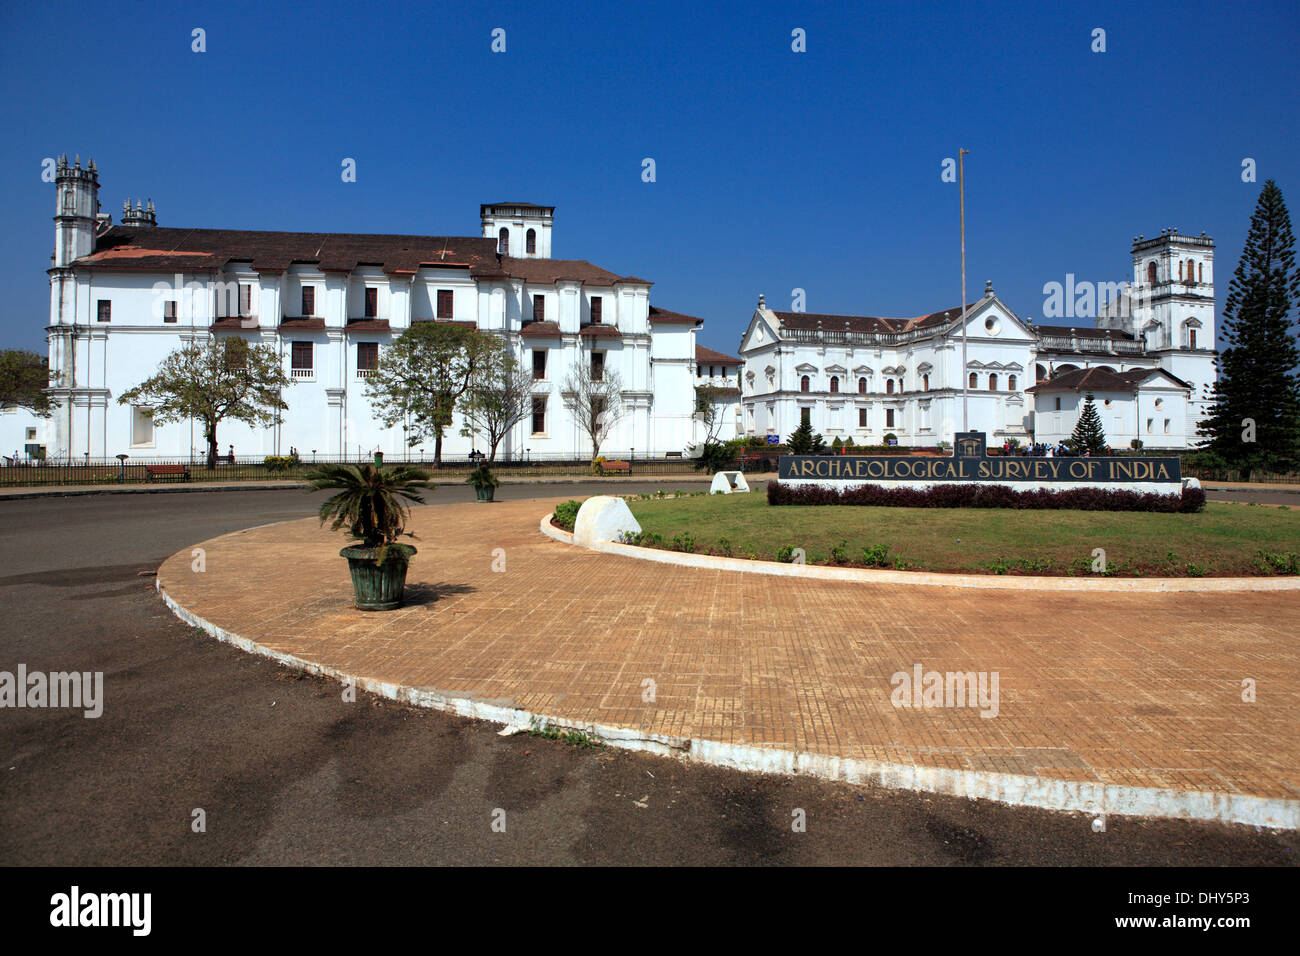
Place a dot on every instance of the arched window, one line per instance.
(889, 386)
(804, 384)
(530, 241)
(862, 386)
(1151, 273)
(503, 241)
(900, 384)
(1191, 338)
(835, 383)
(1011, 383)
(1191, 271)
(1040, 373)
(925, 382)
(1200, 272)
(993, 383)
(973, 381)
(1180, 272)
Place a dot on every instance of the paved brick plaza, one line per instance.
(1134, 689)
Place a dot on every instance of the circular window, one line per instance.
(992, 325)
(1159, 402)
(1108, 403)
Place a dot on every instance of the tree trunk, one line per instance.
(210, 433)
(437, 449)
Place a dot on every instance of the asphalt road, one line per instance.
(286, 772)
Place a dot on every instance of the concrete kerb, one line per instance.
(1015, 790)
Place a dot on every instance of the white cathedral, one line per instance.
(123, 296)
(1148, 361)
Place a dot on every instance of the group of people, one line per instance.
(1042, 450)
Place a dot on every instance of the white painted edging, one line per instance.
(1068, 795)
(932, 578)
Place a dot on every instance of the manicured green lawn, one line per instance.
(1225, 539)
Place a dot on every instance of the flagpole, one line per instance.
(961, 188)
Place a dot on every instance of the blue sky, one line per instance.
(774, 169)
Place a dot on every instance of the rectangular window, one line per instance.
(169, 310)
(805, 416)
(539, 308)
(889, 418)
(539, 364)
(597, 366)
(862, 418)
(104, 311)
(141, 425)
(367, 358)
(597, 310)
(1058, 403)
(1166, 426)
(245, 299)
(445, 300)
(301, 360)
(1149, 423)
(31, 434)
(308, 301)
(1191, 342)
(372, 302)
(539, 414)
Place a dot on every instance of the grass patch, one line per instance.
(1224, 540)
(574, 738)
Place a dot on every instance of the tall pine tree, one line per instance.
(1255, 420)
(1088, 434)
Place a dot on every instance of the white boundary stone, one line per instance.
(722, 482)
(601, 519)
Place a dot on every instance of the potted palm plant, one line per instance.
(484, 482)
(371, 505)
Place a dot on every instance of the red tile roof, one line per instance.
(664, 315)
(368, 325)
(308, 324)
(192, 250)
(868, 323)
(706, 356)
(540, 328)
(1098, 379)
(599, 331)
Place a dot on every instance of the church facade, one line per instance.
(124, 295)
(1148, 359)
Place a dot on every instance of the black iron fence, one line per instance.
(110, 471)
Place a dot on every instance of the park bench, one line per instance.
(610, 466)
(166, 471)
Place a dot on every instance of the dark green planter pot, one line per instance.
(378, 587)
(485, 492)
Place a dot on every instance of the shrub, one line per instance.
(684, 542)
(876, 556)
(840, 553)
(987, 496)
(279, 463)
(1285, 563)
(786, 554)
(567, 513)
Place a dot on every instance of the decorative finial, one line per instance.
(761, 303)
(988, 288)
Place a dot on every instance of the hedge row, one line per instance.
(986, 496)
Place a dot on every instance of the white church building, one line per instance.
(123, 296)
(1148, 361)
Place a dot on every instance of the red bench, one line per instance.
(167, 471)
(609, 466)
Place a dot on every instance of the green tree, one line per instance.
(424, 373)
(803, 441)
(24, 376)
(1254, 422)
(595, 396)
(1088, 434)
(500, 397)
(211, 381)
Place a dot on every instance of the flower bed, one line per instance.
(987, 496)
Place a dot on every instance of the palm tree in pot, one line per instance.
(484, 482)
(371, 505)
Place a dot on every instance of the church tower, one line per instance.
(1172, 298)
(521, 229)
(77, 193)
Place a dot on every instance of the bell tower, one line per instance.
(77, 192)
(521, 229)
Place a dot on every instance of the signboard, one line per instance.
(774, 439)
(971, 462)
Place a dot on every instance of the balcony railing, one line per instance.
(301, 372)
